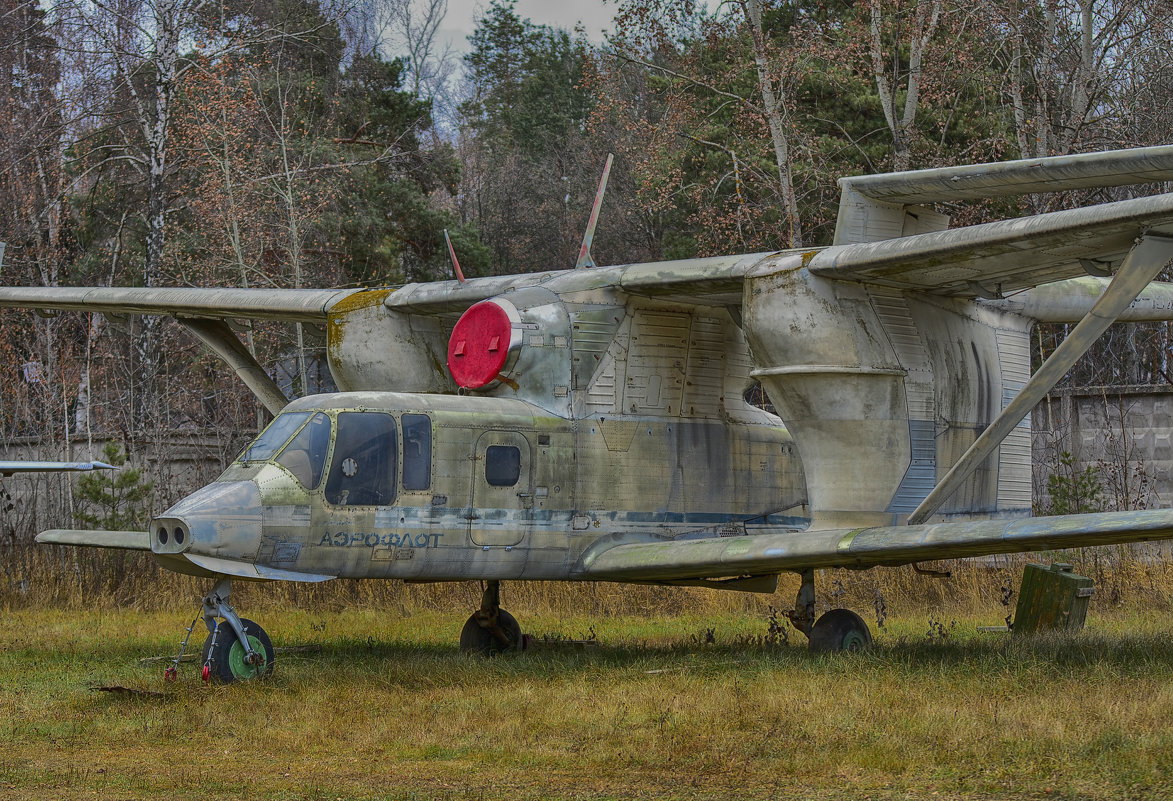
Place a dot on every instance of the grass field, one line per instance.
(685, 701)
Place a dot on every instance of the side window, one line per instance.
(362, 472)
(502, 465)
(305, 455)
(417, 451)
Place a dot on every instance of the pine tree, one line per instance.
(529, 173)
(114, 502)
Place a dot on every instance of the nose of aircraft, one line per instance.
(222, 519)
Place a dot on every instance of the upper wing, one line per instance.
(714, 281)
(203, 312)
(994, 258)
(762, 554)
(986, 260)
(8, 468)
(1138, 165)
(293, 305)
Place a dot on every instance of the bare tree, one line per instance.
(137, 45)
(139, 42)
(774, 103)
(407, 30)
(1073, 68)
(889, 78)
(664, 36)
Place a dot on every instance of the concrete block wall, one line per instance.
(176, 462)
(1125, 433)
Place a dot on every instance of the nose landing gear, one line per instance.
(226, 658)
(236, 648)
(491, 630)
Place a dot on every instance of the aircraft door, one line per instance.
(502, 505)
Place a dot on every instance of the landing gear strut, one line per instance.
(236, 648)
(491, 629)
(837, 630)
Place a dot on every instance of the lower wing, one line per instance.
(124, 540)
(184, 563)
(764, 554)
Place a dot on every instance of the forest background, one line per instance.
(304, 144)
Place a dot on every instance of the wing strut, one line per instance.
(219, 337)
(1146, 259)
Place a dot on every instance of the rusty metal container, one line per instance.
(1052, 598)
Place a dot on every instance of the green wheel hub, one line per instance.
(225, 654)
(236, 659)
(855, 641)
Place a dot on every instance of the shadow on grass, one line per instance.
(409, 664)
(1060, 655)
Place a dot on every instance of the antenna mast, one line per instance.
(584, 253)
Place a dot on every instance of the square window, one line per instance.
(502, 465)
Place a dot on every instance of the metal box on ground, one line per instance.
(1052, 598)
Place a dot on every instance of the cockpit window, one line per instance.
(273, 437)
(305, 455)
(417, 451)
(362, 472)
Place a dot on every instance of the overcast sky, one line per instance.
(594, 16)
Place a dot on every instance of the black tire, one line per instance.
(227, 659)
(477, 641)
(839, 630)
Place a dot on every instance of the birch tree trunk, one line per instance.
(774, 108)
(130, 36)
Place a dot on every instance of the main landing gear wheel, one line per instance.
(479, 640)
(839, 630)
(491, 629)
(227, 659)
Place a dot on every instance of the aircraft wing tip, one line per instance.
(88, 538)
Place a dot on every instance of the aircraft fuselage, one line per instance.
(427, 487)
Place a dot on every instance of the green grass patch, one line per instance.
(692, 706)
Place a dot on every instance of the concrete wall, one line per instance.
(1124, 433)
(176, 462)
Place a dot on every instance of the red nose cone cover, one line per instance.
(479, 345)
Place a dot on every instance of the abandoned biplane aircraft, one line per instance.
(590, 424)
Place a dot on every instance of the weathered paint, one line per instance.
(615, 481)
(771, 552)
(644, 461)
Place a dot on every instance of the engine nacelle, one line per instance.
(518, 344)
(371, 347)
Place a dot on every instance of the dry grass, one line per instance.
(386, 708)
(77, 578)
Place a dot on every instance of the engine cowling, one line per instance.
(518, 344)
(485, 344)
